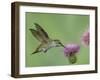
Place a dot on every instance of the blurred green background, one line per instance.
(66, 27)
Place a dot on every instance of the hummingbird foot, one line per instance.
(45, 51)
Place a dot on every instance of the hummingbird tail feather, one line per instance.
(34, 52)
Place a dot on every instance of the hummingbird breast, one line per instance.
(47, 46)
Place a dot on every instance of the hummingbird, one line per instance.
(45, 41)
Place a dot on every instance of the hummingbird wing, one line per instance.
(36, 35)
(42, 32)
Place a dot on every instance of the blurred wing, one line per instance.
(42, 32)
(36, 35)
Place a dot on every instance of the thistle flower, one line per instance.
(70, 51)
(86, 38)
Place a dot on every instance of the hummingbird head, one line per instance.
(58, 43)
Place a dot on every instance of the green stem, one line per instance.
(72, 59)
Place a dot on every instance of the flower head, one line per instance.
(86, 38)
(71, 49)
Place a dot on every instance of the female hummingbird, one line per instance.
(46, 42)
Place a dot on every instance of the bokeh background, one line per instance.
(68, 28)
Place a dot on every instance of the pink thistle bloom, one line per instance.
(86, 38)
(71, 49)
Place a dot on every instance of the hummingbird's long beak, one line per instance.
(62, 44)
